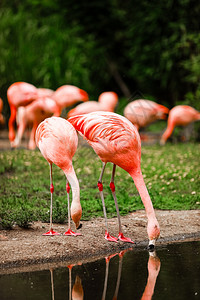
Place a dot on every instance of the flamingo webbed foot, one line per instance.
(69, 232)
(51, 232)
(110, 238)
(122, 238)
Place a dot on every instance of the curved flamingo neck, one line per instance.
(141, 187)
(71, 177)
(168, 132)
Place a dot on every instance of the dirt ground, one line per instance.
(28, 250)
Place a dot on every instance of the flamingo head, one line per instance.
(83, 95)
(76, 213)
(162, 112)
(153, 231)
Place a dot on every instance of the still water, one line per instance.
(174, 273)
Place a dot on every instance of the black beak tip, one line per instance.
(151, 248)
(80, 225)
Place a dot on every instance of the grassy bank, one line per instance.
(171, 174)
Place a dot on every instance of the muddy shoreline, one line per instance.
(28, 250)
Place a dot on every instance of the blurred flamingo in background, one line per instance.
(31, 115)
(2, 119)
(107, 102)
(43, 92)
(180, 115)
(67, 95)
(57, 140)
(143, 112)
(22, 94)
(19, 94)
(116, 140)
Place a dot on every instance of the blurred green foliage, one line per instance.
(127, 46)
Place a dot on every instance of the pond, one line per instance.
(173, 272)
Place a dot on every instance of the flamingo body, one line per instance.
(116, 140)
(31, 115)
(107, 102)
(18, 94)
(68, 95)
(57, 140)
(180, 115)
(143, 112)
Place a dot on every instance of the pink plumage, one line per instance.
(31, 115)
(143, 112)
(180, 115)
(116, 140)
(57, 140)
(107, 102)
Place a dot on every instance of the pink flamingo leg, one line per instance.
(121, 237)
(51, 232)
(69, 232)
(108, 237)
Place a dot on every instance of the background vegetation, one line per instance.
(171, 174)
(136, 48)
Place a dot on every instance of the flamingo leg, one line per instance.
(121, 237)
(51, 231)
(100, 187)
(69, 231)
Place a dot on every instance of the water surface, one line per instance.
(174, 273)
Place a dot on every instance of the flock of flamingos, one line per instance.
(113, 137)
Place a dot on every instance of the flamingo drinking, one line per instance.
(57, 140)
(116, 140)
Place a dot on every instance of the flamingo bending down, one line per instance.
(180, 115)
(57, 140)
(32, 115)
(116, 140)
(143, 112)
(107, 102)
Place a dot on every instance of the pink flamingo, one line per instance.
(143, 112)
(67, 95)
(32, 115)
(44, 92)
(19, 94)
(57, 140)
(2, 119)
(116, 140)
(22, 94)
(180, 115)
(107, 102)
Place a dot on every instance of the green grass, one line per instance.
(171, 174)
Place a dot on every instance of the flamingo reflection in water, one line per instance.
(75, 293)
(153, 271)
